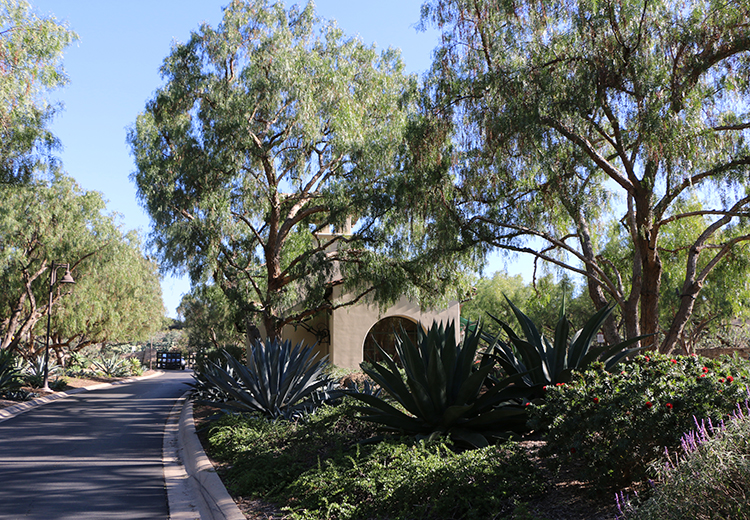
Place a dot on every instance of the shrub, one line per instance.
(317, 469)
(112, 366)
(134, 367)
(416, 481)
(266, 456)
(614, 425)
(441, 390)
(710, 480)
(33, 372)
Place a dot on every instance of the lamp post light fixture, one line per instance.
(52, 279)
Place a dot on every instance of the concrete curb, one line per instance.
(17, 409)
(194, 489)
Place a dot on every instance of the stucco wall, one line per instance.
(349, 326)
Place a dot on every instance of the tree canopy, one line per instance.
(568, 118)
(31, 50)
(116, 297)
(271, 129)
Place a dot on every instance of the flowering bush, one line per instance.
(708, 479)
(615, 424)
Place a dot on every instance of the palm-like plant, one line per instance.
(546, 362)
(442, 390)
(278, 381)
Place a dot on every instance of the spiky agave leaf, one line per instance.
(441, 390)
(548, 363)
(279, 381)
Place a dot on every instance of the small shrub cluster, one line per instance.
(318, 469)
(711, 479)
(613, 425)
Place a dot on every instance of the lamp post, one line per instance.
(52, 279)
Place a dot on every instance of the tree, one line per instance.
(116, 295)
(540, 302)
(209, 320)
(571, 116)
(271, 129)
(31, 49)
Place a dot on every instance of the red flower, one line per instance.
(674, 361)
(705, 370)
(730, 379)
(572, 450)
(648, 404)
(721, 380)
(669, 405)
(596, 400)
(703, 375)
(647, 358)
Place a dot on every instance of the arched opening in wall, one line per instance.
(383, 334)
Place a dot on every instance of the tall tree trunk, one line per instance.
(646, 239)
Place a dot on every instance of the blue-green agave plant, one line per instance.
(442, 391)
(279, 381)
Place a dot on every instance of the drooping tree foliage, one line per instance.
(31, 50)
(209, 320)
(269, 130)
(116, 295)
(567, 117)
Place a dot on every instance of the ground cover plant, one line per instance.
(318, 469)
(612, 425)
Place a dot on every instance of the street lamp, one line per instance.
(52, 278)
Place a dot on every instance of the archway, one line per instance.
(383, 334)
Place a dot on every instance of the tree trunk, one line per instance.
(646, 239)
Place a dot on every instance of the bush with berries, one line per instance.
(610, 426)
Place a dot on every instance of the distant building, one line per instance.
(350, 335)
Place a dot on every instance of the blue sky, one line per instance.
(113, 71)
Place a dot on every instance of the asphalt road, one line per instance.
(94, 455)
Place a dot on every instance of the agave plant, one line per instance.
(442, 390)
(546, 362)
(279, 381)
(112, 366)
(10, 374)
(34, 370)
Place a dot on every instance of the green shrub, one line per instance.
(415, 481)
(134, 366)
(441, 392)
(33, 372)
(111, 366)
(614, 425)
(10, 375)
(710, 480)
(317, 469)
(265, 456)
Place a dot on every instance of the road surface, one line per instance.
(94, 455)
